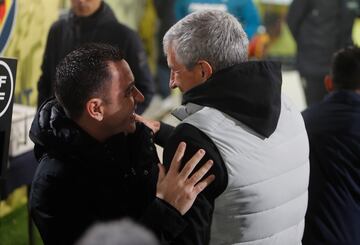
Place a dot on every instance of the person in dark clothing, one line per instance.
(93, 21)
(319, 29)
(233, 108)
(333, 126)
(166, 13)
(95, 163)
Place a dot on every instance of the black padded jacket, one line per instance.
(80, 181)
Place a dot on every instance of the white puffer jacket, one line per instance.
(266, 197)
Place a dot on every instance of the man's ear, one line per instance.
(329, 84)
(95, 108)
(206, 69)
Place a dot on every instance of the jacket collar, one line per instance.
(184, 111)
(345, 96)
(249, 92)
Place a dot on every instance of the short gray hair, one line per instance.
(211, 35)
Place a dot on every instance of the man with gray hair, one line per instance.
(234, 109)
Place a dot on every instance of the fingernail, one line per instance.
(202, 151)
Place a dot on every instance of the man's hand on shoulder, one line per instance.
(178, 188)
(152, 124)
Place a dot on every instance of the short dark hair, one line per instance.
(346, 68)
(83, 73)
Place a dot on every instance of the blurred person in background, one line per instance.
(93, 21)
(166, 14)
(333, 126)
(319, 28)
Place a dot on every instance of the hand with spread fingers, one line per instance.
(176, 187)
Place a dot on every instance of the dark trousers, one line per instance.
(314, 88)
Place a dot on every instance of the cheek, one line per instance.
(187, 78)
(127, 106)
(181, 78)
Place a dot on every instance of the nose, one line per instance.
(138, 96)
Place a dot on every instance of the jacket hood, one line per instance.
(250, 92)
(53, 131)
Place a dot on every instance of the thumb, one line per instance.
(139, 118)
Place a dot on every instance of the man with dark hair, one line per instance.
(96, 163)
(333, 126)
(93, 21)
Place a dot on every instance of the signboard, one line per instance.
(7, 86)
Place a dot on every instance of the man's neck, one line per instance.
(91, 128)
